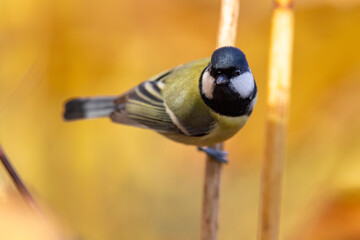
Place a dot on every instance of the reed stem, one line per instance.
(278, 100)
(210, 209)
(24, 192)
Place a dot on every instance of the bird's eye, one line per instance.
(237, 72)
(218, 72)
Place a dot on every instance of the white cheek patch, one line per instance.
(243, 84)
(208, 84)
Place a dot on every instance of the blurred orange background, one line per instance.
(107, 181)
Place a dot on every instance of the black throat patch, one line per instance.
(227, 102)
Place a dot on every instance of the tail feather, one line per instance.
(89, 108)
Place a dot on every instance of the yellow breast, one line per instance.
(225, 128)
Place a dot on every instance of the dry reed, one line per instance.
(15, 177)
(278, 98)
(210, 209)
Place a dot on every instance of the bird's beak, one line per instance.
(221, 80)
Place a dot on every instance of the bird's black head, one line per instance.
(226, 63)
(227, 84)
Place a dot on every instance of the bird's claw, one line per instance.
(218, 155)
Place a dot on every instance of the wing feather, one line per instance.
(144, 106)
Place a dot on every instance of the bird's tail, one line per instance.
(80, 108)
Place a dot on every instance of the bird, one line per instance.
(200, 103)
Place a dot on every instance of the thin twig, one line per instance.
(17, 181)
(277, 118)
(209, 223)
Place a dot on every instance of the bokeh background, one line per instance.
(106, 181)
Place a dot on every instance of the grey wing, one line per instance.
(144, 106)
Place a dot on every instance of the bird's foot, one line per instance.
(219, 155)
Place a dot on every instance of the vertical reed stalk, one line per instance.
(17, 181)
(209, 223)
(278, 98)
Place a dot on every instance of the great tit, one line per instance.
(199, 103)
